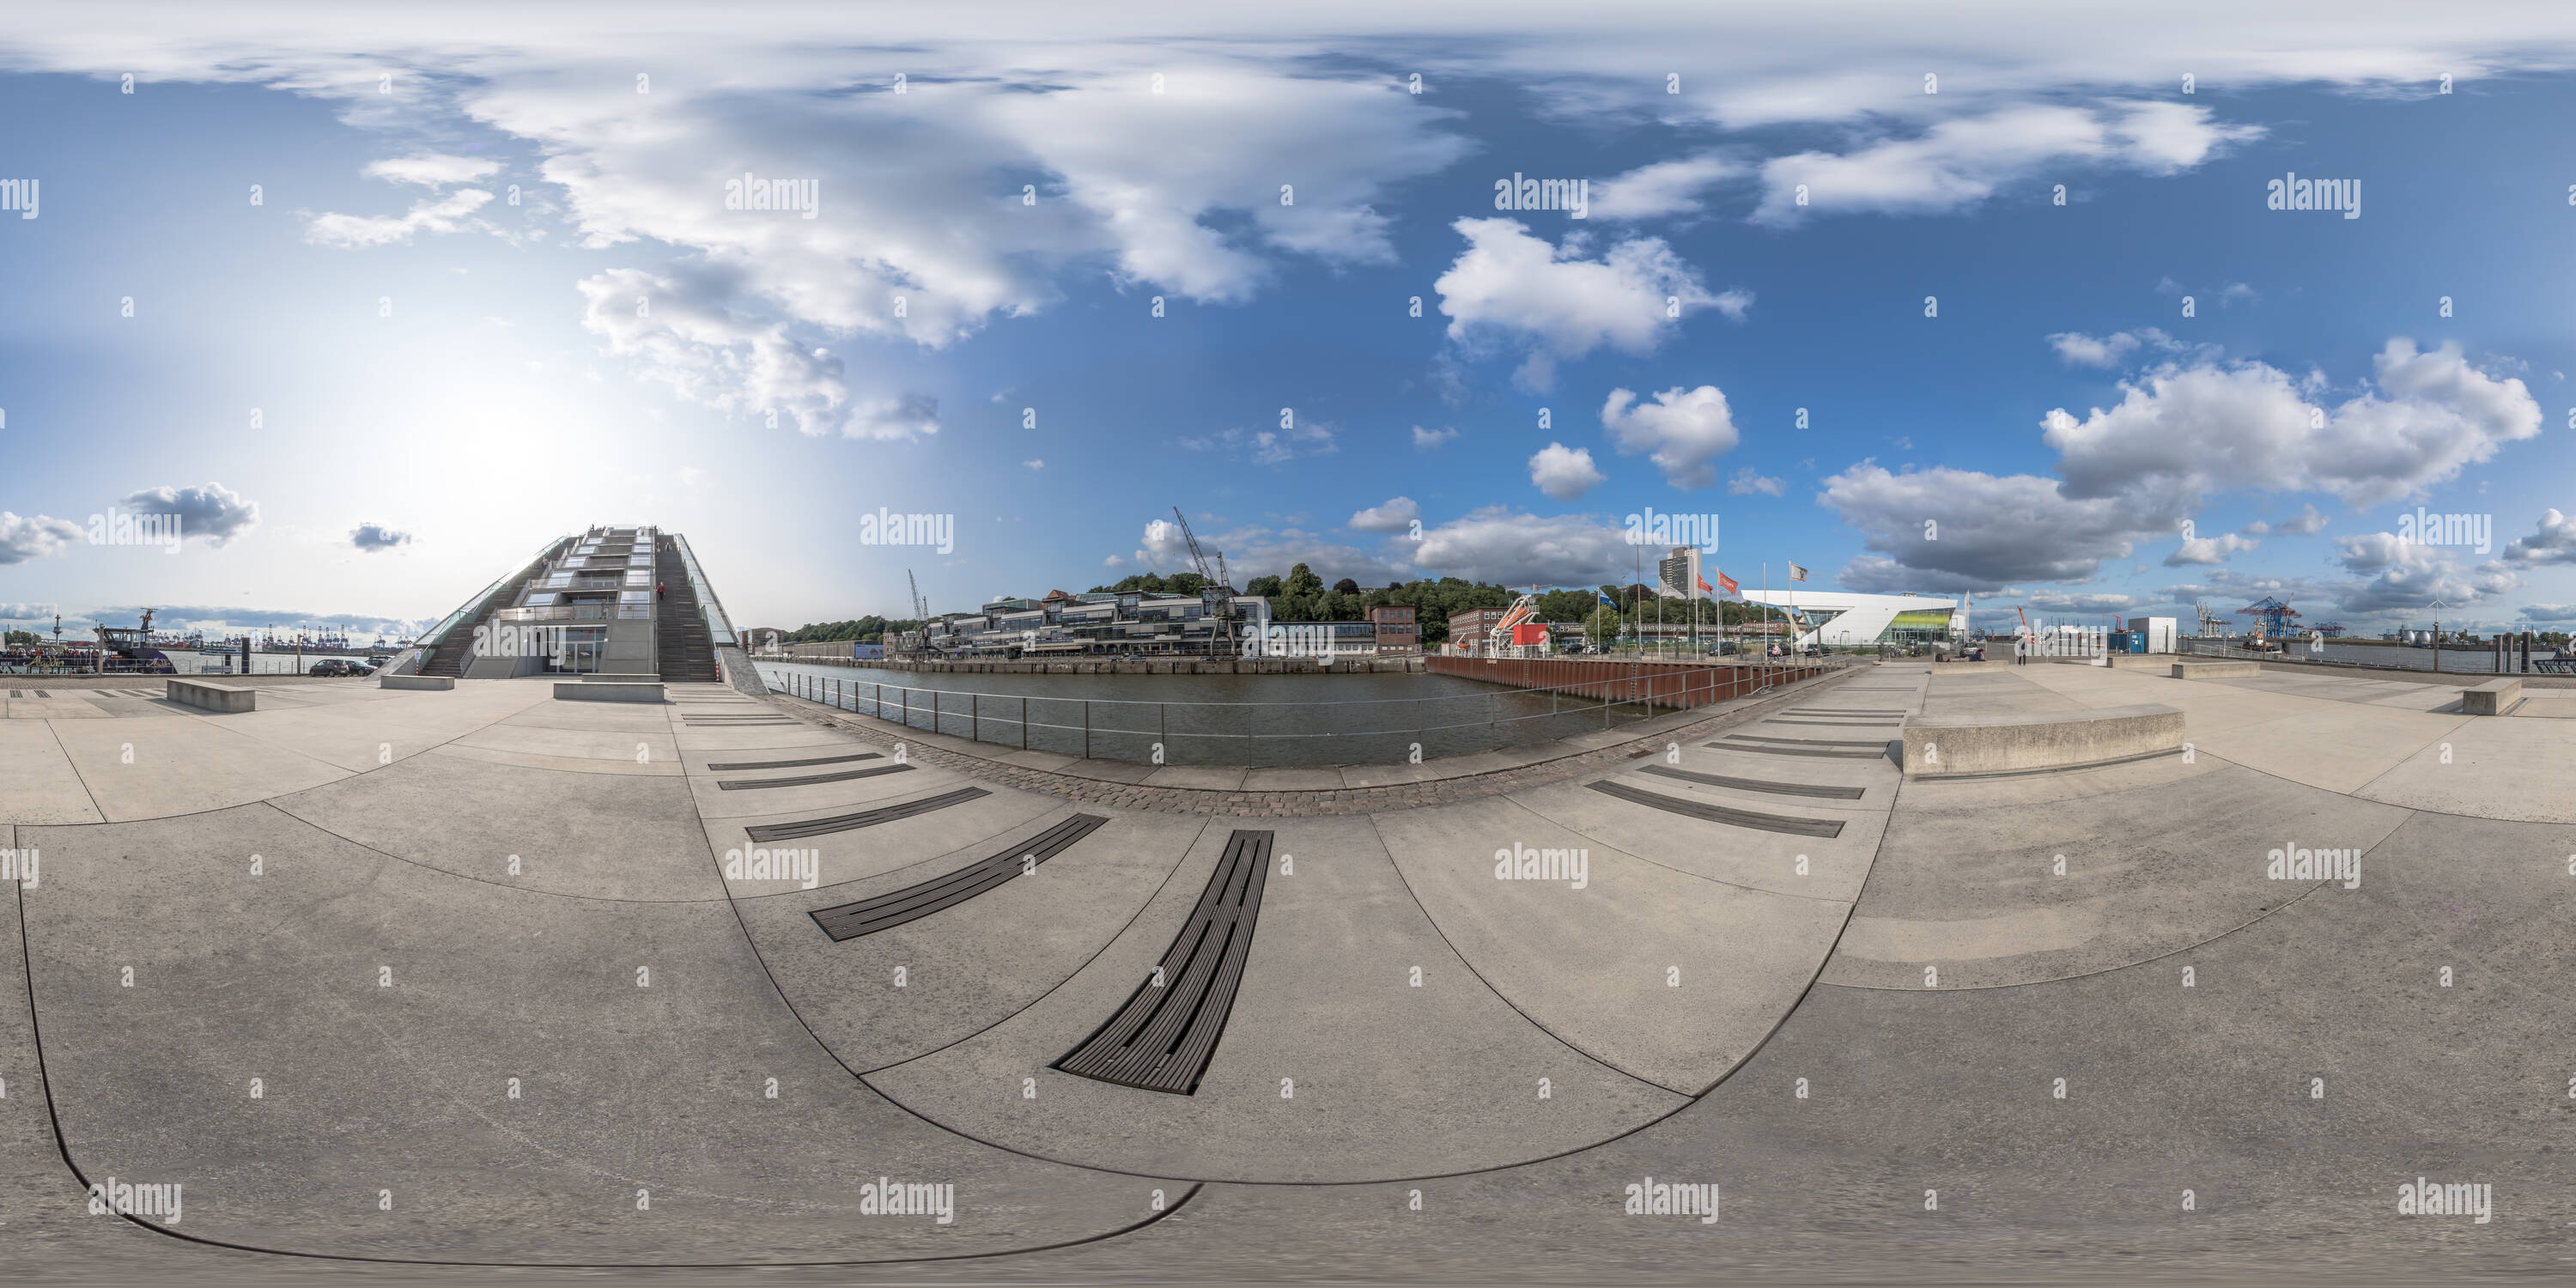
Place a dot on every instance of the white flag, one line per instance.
(1797, 573)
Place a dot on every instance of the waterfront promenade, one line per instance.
(533, 981)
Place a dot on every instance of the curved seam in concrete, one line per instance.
(2373, 800)
(74, 766)
(62, 1147)
(430, 867)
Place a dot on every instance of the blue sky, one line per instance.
(434, 307)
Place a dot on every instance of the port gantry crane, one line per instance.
(2275, 614)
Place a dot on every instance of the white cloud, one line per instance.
(2549, 612)
(1958, 162)
(1495, 544)
(1748, 481)
(34, 537)
(2209, 550)
(2554, 542)
(24, 612)
(1509, 288)
(1663, 188)
(1397, 515)
(684, 332)
(429, 215)
(2308, 523)
(1427, 438)
(2189, 431)
(432, 169)
(213, 511)
(1986, 529)
(2063, 602)
(1034, 464)
(2409, 575)
(1687, 432)
(2076, 349)
(1564, 472)
(1113, 561)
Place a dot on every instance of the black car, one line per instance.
(336, 666)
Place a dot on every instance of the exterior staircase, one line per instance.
(457, 649)
(687, 652)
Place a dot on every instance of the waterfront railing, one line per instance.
(1280, 734)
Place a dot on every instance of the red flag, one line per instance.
(1728, 584)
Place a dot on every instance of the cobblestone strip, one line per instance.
(1291, 804)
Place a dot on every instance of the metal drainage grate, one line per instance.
(749, 784)
(1164, 1037)
(887, 911)
(1824, 827)
(790, 764)
(864, 818)
(1756, 784)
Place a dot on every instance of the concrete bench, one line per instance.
(2216, 670)
(416, 682)
(621, 677)
(578, 691)
(1970, 746)
(225, 698)
(2493, 698)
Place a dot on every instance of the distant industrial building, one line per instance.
(1396, 629)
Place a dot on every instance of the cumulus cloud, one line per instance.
(2076, 349)
(2554, 542)
(2409, 575)
(373, 537)
(429, 215)
(212, 512)
(1985, 529)
(34, 537)
(2307, 523)
(1427, 438)
(2209, 550)
(1564, 472)
(1397, 515)
(683, 331)
(1959, 162)
(1687, 432)
(2194, 430)
(1498, 545)
(24, 612)
(2549, 612)
(1664, 188)
(1748, 481)
(1510, 289)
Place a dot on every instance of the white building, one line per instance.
(1844, 619)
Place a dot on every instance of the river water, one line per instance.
(2466, 659)
(1264, 720)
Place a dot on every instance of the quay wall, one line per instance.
(1676, 685)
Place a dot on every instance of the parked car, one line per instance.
(336, 666)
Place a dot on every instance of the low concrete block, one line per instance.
(577, 691)
(224, 698)
(2019, 743)
(2215, 670)
(416, 682)
(2493, 698)
(621, 677)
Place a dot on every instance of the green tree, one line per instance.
(1603, 627)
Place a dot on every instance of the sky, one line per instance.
(1987, 299)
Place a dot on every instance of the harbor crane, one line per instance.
(2211, 624)
(1210, 576)
(2275, 614)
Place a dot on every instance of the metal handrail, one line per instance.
(842, 695)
